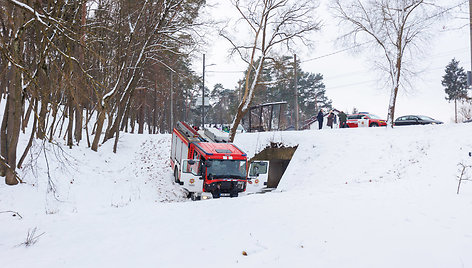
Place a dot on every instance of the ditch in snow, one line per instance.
(279, 157)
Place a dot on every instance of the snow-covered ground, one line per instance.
(367, 197)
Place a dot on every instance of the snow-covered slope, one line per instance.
(349, 198)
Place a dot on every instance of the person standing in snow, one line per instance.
(319, 117)
(330, 119)
(342, 119)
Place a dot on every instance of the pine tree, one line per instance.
(455, 83)
(277, 84)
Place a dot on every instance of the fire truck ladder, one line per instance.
(190, 133)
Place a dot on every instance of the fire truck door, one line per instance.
(190, 176)
(258, 176)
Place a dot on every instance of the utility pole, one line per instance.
(296, 89)
(203, 94)
(470, 25)
(171, 102)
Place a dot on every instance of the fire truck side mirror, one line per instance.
(470, 154)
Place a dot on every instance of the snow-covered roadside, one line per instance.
(84, 180)
(349, 198)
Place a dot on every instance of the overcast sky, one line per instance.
(349, 80)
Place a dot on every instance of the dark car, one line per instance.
(408, 120)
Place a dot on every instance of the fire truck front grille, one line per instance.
(226, 186)
(222, 186)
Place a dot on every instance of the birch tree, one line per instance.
(272, 24)
(395, 31)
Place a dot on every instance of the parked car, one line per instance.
(365, 120)
(415, 120)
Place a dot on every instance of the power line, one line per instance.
(312, 59)
(446, 10)
(336, 52)
(439, 55)
(223, 72)
(358, 45)
(427, 70)
(353, 84)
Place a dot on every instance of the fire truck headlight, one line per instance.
(206, 196)
(240, 185)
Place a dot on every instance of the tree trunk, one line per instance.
(133, 121)
(53, 123)
(3, 139)
(80, 90)
(455, 110)
(86, 126)
(391, 107)
(24, 122)
(141, 119)
(396, 86)
(237, 120)
(117, 137)
(41, 131)
(30, 142)
(70, 124)
(98, 132)
(13, 125)
(119, 118)
(79, 117)
(141, 112)
(15, 110)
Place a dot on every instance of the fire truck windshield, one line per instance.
(226, 168)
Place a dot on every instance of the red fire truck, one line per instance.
(205, 165)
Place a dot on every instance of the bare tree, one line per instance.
(164, 27)
(464, 174)
(395, 30)
(272, 24)
(465, 110)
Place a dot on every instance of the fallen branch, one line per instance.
(4, 162)
(14, 213)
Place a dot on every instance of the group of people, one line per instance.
(331, 119)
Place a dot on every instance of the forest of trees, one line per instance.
(65, 63)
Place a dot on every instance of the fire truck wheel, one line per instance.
(374, 125)
(194, 197)
(176, 175)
